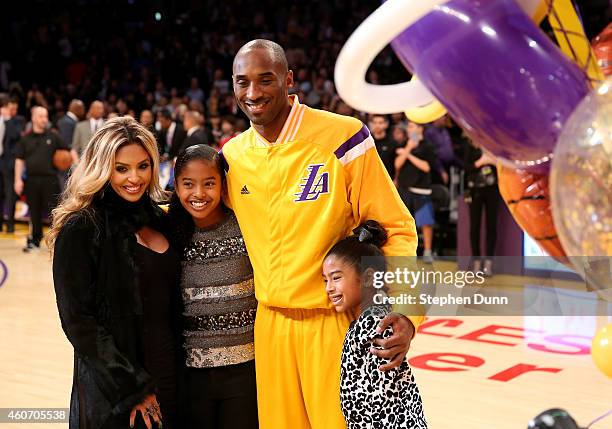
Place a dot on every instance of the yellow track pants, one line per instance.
(297, 358)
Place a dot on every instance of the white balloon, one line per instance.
(581, 188)
(374, 33)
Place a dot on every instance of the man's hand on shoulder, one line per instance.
(397, 345)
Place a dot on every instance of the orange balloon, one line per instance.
(602, 48)
(527, 196)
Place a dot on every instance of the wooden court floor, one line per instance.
(473, 372)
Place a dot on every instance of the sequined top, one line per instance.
(219, 297)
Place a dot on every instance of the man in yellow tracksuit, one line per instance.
(299, 180)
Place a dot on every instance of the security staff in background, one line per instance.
(34, 157)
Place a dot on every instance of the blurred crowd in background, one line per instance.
(169, 65)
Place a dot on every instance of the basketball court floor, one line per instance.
(474, 372)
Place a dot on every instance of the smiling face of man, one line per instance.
(261, 83)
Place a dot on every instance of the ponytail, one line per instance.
(362, 250)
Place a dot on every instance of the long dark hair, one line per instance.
(180, 219)
(362, 250)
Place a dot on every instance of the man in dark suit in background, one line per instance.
(193, 122)
(148, 121)
(171, 136)
(67, 123)
(11, 127)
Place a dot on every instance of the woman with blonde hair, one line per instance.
(116, 281)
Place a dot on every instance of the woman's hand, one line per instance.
(149, 408)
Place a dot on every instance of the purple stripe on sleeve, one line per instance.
(361, 135)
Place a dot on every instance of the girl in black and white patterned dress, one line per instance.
(369, 397)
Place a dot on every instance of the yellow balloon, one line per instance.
(601, 350)
(427, 113)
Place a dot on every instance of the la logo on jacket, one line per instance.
(314, 184)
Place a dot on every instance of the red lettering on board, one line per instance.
(424, 361)
(495, 330)
(521, 368)
(452, 323)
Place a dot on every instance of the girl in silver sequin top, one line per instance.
(218, 294)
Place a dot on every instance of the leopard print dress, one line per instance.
(370, 398)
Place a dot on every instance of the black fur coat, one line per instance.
(100, 306)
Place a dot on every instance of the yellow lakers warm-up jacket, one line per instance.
(296, 197)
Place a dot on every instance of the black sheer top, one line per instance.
(158, 275)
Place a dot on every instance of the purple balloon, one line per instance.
(499, 76)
